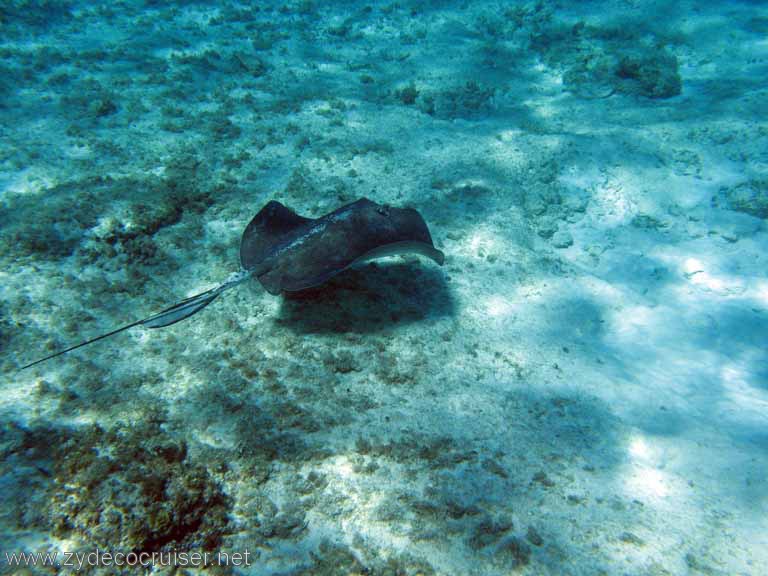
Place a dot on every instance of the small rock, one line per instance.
(494, 468)
(648, 222)
(519, 551)
(103, 107)
(542, 478)
(408, 95)
(534, 537)
(630, 538)
(487, 532)
(562, 239)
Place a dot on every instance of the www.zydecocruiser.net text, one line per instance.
(102, 558)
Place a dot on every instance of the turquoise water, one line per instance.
(580, 389)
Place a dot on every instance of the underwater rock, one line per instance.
(653, 74)
(606, 70)
(5, 325)
(135, 241)
(494, 467)
(487, 532)
(630, 538)
(104, 106)
(546, 228)
(287, 524)
(408, 95)
(342, 362)
(542, 478)
(648, 222)
(533, 536)
(562, 239)
(749, 197)
(539, 202)
(468, 101)
(516, 550)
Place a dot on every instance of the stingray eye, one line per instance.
(383, 210)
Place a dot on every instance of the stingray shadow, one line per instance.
(368, 299)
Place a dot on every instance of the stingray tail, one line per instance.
(171, 315)
(181, 310)
(76, 346)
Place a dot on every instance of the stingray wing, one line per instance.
(267, 230)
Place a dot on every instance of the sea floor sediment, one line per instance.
(580, 389)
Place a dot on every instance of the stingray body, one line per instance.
(288, 252)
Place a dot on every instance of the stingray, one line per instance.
(287, 253)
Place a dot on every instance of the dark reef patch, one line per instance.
(333, 558)
(34, 13)
(654, 74)
(602, 71)
(470, 101)
(749, 197)
(132, 489)
(82, 216)
(6, 326)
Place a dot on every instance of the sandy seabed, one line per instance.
(581, 389)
